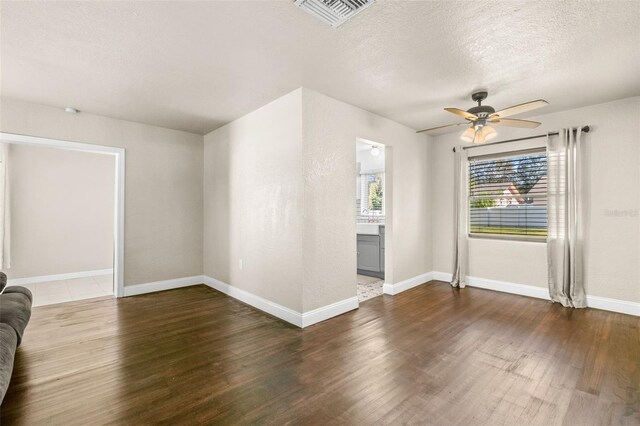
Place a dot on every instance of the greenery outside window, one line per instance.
(508, 195)
(372, 194)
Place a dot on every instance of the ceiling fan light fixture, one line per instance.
(375, 151)
(468, 134)
(479, 116)
(489, 132)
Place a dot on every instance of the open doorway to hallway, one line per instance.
(61, 205)
(370, 218)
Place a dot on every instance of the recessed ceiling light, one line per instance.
(71, 110)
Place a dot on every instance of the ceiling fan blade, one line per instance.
(512, 122)
(519, 109)
(462, 113)
(442, 127)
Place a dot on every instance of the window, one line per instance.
(372, 194)
(508, 195)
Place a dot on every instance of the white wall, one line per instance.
(330, 128)
(62, 208)
(613, 240)
(253, 202)
(163, 188)
(279, 194)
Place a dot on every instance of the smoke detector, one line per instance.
(333, 12)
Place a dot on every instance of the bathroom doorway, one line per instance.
(371, 214)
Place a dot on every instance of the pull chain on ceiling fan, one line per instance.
(482, 117)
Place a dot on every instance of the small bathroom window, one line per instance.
(372, 193)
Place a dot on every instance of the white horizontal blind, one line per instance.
(508, 195)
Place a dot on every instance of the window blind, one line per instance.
(508, 195)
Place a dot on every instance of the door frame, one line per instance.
(118, 224)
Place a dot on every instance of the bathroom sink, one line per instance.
(368, 228)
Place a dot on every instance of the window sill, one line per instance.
(530, 239)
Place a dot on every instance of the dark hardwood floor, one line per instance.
(431, 355)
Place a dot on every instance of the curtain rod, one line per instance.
(585, 129)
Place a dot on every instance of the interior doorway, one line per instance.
(371, 214)
(85, 275)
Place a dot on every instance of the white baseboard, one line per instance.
(133, 290)
(401, 286)
(507, 287)
(614, 305)
(596, 302)
(279, 311)
(442, 276)
(59, 277)
(329, 311)
(289, 315)
(317, 315)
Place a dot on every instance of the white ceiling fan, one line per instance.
(481, 118)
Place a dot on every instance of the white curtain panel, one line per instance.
(461, 219)
(565, 238)
(5, 211)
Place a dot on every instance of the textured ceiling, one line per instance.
(197, 65)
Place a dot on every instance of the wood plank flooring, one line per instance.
(430, 355)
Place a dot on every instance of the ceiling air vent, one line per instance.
(333, 12)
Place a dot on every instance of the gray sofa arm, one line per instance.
(8, 344)
(15, 309)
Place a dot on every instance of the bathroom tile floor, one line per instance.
(369, 287)
(48, 293)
